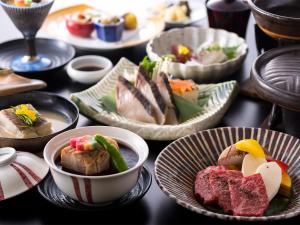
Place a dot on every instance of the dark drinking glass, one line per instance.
(230, 15)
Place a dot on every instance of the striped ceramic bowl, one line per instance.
(178, 164)
(102, 188)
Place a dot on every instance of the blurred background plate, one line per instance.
(55, 26)
(59, 52)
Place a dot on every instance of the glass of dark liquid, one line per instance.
(230, 15)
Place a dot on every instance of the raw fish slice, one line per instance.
(149, 89)
(85, 162)
(132, 104)
(13, 127)
(166, 92)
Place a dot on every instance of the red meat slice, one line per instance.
(248, 196)
(202, 187)
(218, 181)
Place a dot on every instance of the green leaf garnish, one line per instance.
(230, 52)
(147, 64)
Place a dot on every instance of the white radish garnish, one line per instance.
(271, 174)
(251, 163)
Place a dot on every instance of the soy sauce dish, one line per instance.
(89, 69)
(96, 164)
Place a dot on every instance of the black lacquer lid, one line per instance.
(276, 75)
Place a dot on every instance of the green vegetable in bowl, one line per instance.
(117, 158)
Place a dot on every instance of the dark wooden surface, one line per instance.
(155, 208)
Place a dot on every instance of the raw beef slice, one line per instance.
(219, 183)
(203, 190)
(248, 196)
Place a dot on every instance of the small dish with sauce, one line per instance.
(85, 167)
(89, 69)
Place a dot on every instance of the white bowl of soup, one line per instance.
(109, 184)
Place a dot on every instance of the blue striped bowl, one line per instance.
(177, 165)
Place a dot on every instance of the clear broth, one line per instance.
(58, 121)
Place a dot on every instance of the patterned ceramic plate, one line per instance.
(50, 192)
(55, 26)
(178, 164)
(220, 97)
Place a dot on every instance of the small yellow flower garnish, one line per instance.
(183, 50)
(23, 110)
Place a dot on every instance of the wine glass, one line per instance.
(28, 21)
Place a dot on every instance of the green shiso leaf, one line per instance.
(230, 52)
(147, 64)
(108, 102)
(187, 109)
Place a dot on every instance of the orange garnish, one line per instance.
(181, 86)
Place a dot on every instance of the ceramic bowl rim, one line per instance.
(4, 4)
(242, 55)
(269, 14)
(107, 64)
(100, 25)
(57, 132)
(99, 177)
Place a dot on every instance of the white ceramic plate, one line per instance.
(55, 27)
(194, 37)
(221, 96)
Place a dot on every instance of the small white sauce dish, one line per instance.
(98, 188)
(89, 69)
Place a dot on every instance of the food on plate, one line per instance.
(250, 146)
(92, 155)
(206, 54)
(286, 185)
(245, 181)
(130, 21)
(80, 24)
(231, 157)
(178, 13)
(109, 28)
(25, 3)
(248, 196)
(272, 175)
(151, 97)
(251, 163)
(23, 121)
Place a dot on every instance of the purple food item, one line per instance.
(248, 196)
(203, 190)
(218, 181)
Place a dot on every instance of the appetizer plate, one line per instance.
(220, 97)
(177, 165)
(53, 194)
(196, 16)
(195, 37)
(59, 52)
(57, 108)
(55, 26)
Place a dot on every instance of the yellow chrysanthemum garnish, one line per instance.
(28, 116)
(183, 50)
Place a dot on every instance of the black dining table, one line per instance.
(155, 207)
